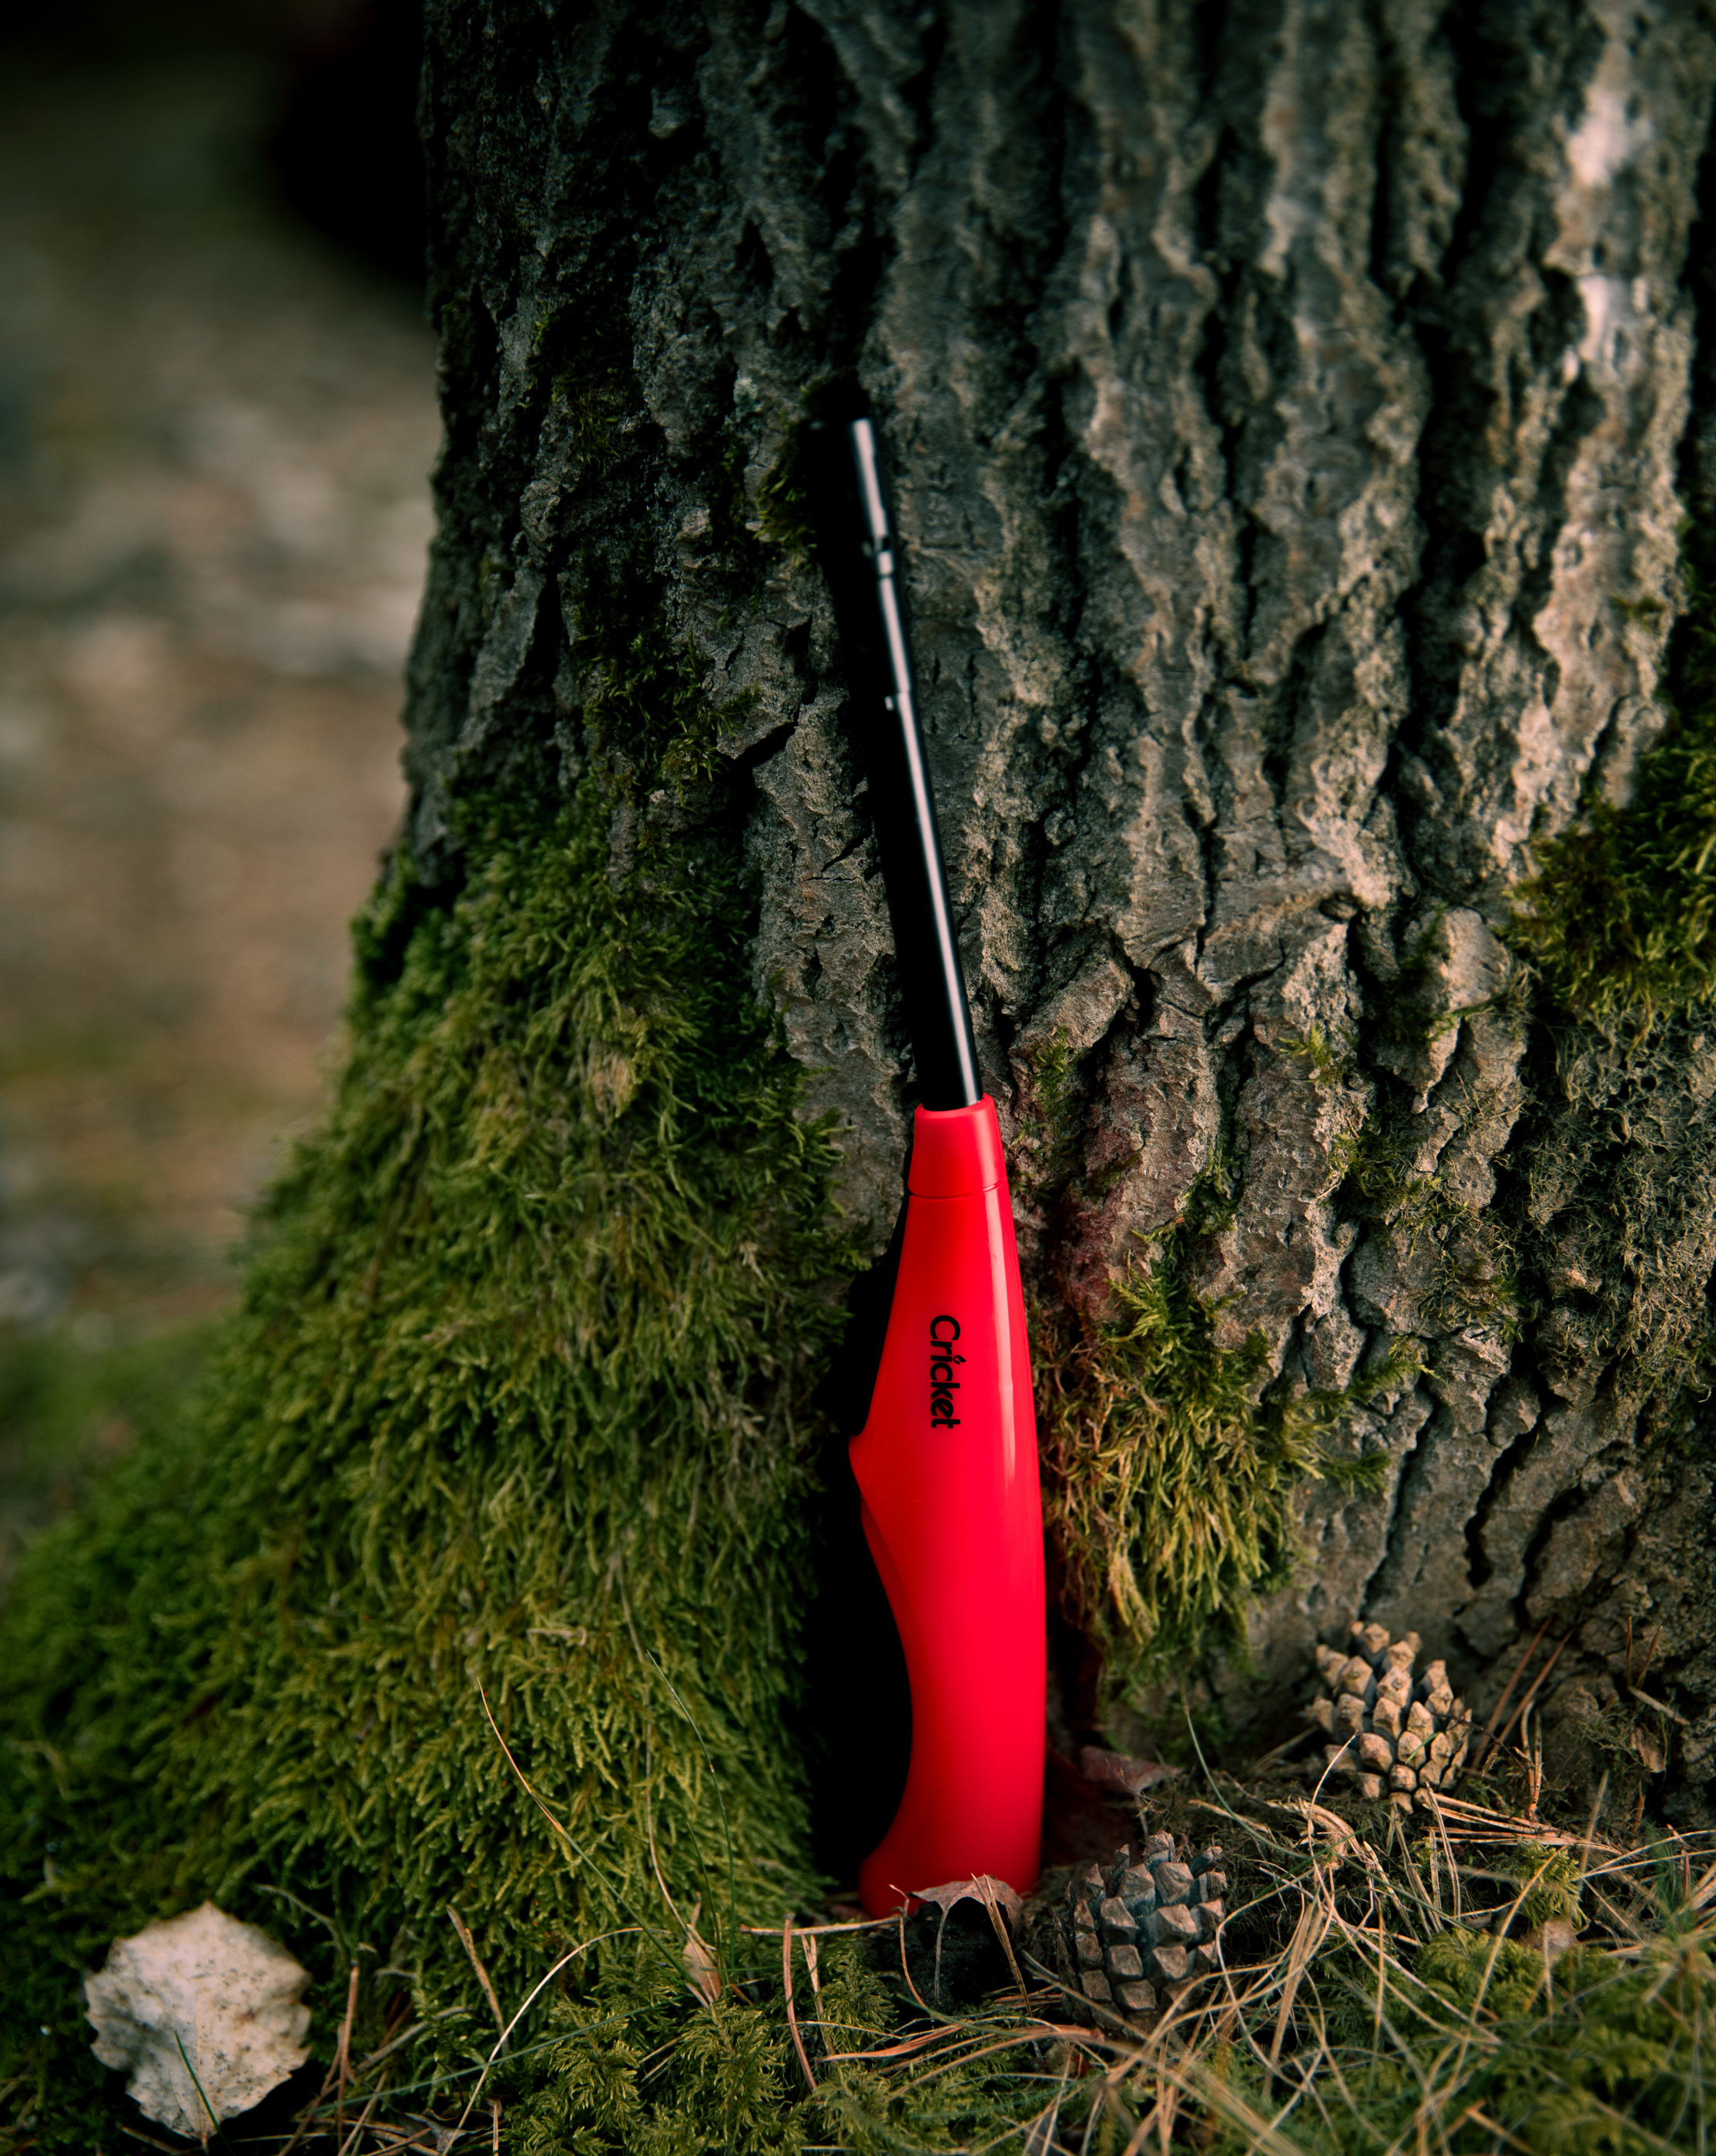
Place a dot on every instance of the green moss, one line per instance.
(641, 2064)
(644, 704)
(1620, 916)
(1409, 2029)
(594, 392)
(637, 2064)
(785, 518)
(513, 1420)
(1328, 1053)
(1045, 1149)
(1171, 1468)
(69, 1404)
(1487, 2046)
(1617, 1192)
(758, 519)
(1473, 1277)
(513, 1410)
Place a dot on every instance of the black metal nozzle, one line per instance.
(862, 560)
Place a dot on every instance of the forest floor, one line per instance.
(1474, 1979)
(215, 431)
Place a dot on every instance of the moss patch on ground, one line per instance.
(1473, 1994)
(70, 1404)
(512, 1412)
(1483, 1982)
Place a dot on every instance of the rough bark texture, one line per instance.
(1291, 414)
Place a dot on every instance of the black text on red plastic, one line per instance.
(943, 1330)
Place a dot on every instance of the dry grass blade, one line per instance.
(818, 1931)
(1516, 1718)
(1309, 1934)
(786, 1977)
(355, 2135)
(476, 1962)
(307, 2117)
(524, 1781)
(1659, 1706)
(342, 2057)
(991, 1900)
(368, 2066)
(1040, 2133)
(1474, 2116)
(1214, 2094)
(1529, 1649)
(1462, 1821)
(918, 2042)
(566, 1960)
(1010, 2040)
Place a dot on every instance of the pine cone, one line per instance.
(1385, 1731)
(1143, 1924)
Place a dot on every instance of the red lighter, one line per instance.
(945, 1462)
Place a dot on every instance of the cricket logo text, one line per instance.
(943, 1331)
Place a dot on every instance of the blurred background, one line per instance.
(216, 418)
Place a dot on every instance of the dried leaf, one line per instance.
(1552, 1938)
(985, 1889)
(701, 1973)
(1650, 1748)
(1115, 1770)
(205, 2012)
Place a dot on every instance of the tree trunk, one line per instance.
(1292, 411)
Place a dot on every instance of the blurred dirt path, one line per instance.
(214, 437)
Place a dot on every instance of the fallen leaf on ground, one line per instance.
(990, 1892)
(702, 1971)
(205, 2012)
(1114, 1770)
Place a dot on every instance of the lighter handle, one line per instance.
(947, 1467)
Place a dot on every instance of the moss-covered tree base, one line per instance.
(510, 1426)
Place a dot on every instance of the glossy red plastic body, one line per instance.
(947, 1465)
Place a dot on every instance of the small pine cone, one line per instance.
(1387, 1732)
(1145, 1924)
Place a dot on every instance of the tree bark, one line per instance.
(1293, 410)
